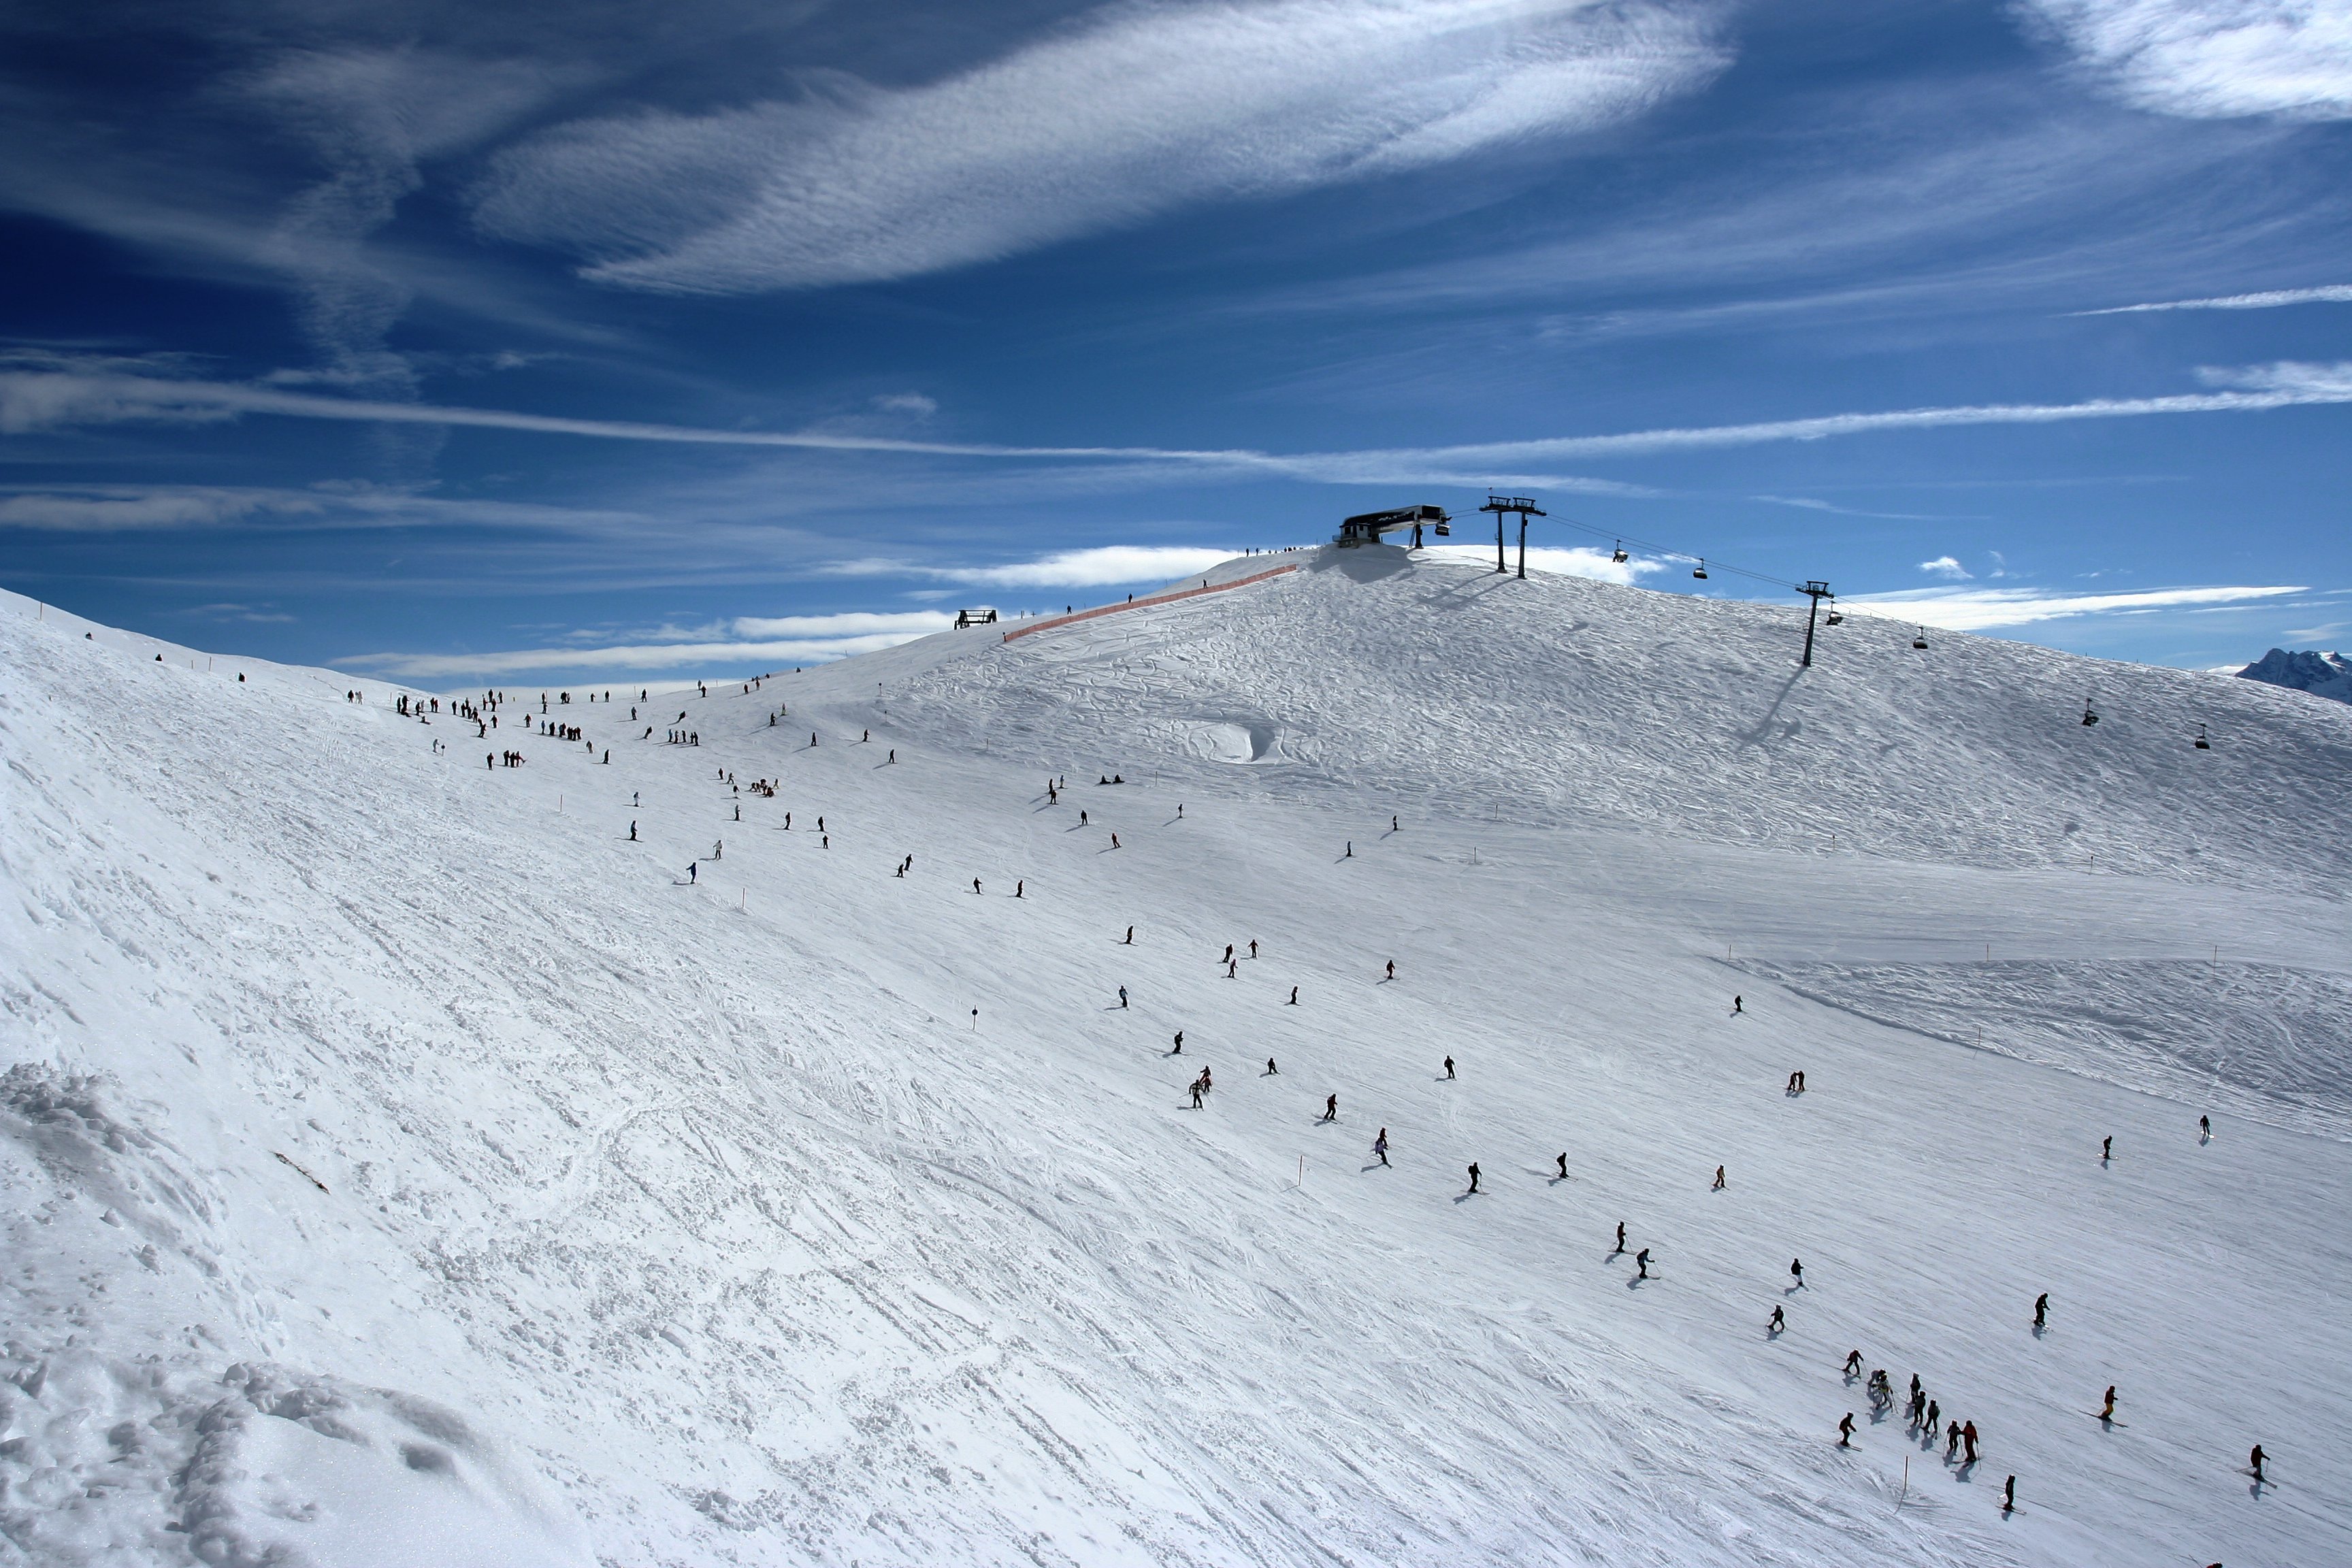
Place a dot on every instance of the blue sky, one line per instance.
(531, 344)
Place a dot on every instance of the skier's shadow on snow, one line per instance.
(1466, 1197)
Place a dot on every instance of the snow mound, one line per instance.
(1562, 701)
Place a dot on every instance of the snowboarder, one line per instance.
(1641, 1262)
(1270, 1070)
(2107, 1411)
(1845, 1431)
(1852, 1363)
(1779, 1323)
(1718, 1180)
(1331, 1108)
(1473, 1175)
(1380, 1146)
(1797, 1271)
(1449, 1067)
(2041, 1309)
(1122, 990)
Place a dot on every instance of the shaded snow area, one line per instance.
(2258, 1040)
(399, 1163)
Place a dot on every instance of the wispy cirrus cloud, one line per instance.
(1134, 111)
(2268, 299)
(49, 399)
(2203, 60)
(1990, 609)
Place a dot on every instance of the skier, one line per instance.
(1449, 1067)
(1380, 1146)
(1563, 1166)
(1272, 1071)
(1969, 1441)
(1797, 1270)
(1179, 1043)
(632, 833)
(1233, 968)
(1473, 1175)
(1852, 1363)
(1351, 850)
(1620, 1238)
(1641, 1262)
(1331, 1108)
(2256, 1460)
(2204, 1129)
(1934, 1412)
(1736, 1004)
(1229, 953)
(1131, 938)
(1114, 840)
(1018, 885)
(975, 885)
(2107, 1411)
(1845, 1431)
(1294, 997)
(2106, 1149)
(693, 872)
(2041, 1309)
(1081, 819)
(2009, 1495)
(1392, 825)
(1391, 969)
(1952, 1443)
(1778, 1322)
(1196, 1094)
(1253, 947)
(1122, 995)
(1718, 1180)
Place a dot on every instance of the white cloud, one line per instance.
(1572, 561)
(111, 511)
(745, 654)
(56, 398)
(2270, 299)
(1135, 110)
(2213, 59)
(918, 623)
(1944, 566)
(1983, 609)
(1098, 567)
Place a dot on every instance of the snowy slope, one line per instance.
(671, 1221)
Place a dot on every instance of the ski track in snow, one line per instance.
(663, 1230)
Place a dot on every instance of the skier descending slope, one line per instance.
(1380, 1145)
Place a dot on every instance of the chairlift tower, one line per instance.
(1817, 591)
(1502, 506)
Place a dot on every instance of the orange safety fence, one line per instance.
(1142, 604)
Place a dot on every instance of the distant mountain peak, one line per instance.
(2321, 674)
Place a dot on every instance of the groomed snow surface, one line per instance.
(402, 1166)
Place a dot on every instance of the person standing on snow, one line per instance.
(1449, 1068)
(1294, 997)
(1380, 1146)
(1620, 1238)
(1331, 1108)
(1778, 1322)
(2041, 1309)
(1122, 995)
(1845, 1431)
(1179, 1043)
(1473, 1175)
(1797, 1269)
(1563, 1165)
(1641, 1262)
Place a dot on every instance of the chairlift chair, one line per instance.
(2089, 717)
(1700, 572)
(1835, 618)
(1921, 639)
(1619, 556)
(2201, 744)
